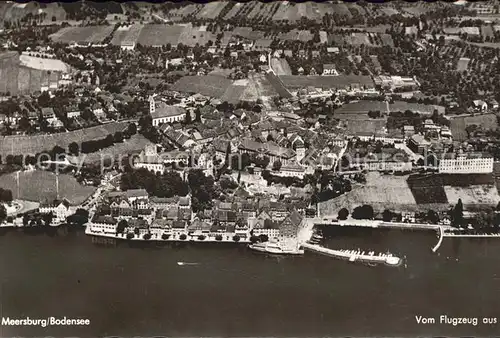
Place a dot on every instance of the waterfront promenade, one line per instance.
(376, 224)
(175, 237)
(448, 234)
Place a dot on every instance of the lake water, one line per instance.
(127, 291)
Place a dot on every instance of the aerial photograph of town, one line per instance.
(249, 169)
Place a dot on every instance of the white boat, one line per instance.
(274, 248)
(185, 263)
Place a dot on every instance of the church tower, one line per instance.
(152, 105)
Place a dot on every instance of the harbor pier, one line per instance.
(352, 255)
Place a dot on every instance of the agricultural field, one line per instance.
(90, 34)
(487, 31)
(257, 7)
(278, 85)
(53, 65)
(209, 85)
(380, 191)
(341, 10)
(474, 194)
(159, 35)
(326, 82)
(233, 11)
(211, 10)
(458, 124)
(184, 11)
(258, 87)
(19, 145)
(423, 109)
(234, 92)
(9, 72)
(376, 63)
(282, 12)
(134, 145)
(190, 36)
(126, 34)
(359, 110)
(363, 126)
(281, 66)
(40, 186)
(447, 188)
(462, 64)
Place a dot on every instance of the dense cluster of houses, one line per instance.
(241, 217)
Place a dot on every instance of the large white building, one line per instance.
(60, 210)
(162, 113)
(156, 162)
(470, 163)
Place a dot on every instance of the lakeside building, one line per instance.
(468, 163)
(59, 208)
(103, 224)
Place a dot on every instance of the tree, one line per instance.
(132, 129)
(118, 137)
(277, 165)
(387, 215)
(363, 212)
(130, 235)
(432, 217)
(47, 219)
(165, 237)
(343, 213)
(263, 238)
(147, 236)
(218, 237)
(188, 118)
(197, 115)
(201, 237)
(457, 217)
(73, 148)
(183, 237)
(122, 225)
(80, 217)
(3, 213)
(236, 238)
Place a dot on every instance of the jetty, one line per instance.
(441, 236)
(353, 255)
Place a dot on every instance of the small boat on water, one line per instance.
(275, 248)
(186, 263)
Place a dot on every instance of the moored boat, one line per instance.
(275, 249)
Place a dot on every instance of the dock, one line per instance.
(353, 255)
(441, 236)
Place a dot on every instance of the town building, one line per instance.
(329, 69)
(466, 163)
(274, 152)
(60, 209)
(162, 113)
(418, 144)
(103, 224)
